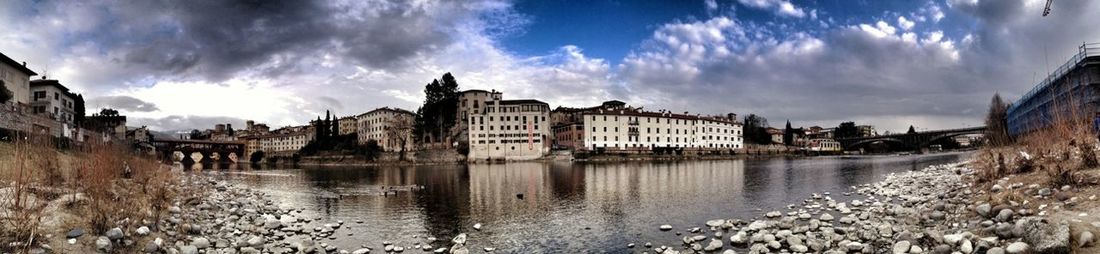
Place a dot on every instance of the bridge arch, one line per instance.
(928, 142)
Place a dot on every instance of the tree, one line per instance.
(996, 123)
(437, 115)
(911, 130)
(846, 130)
(788, 134)
(398, 133)
(5, 94)
(756, 129)
(78, 107)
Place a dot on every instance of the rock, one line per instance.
(729, 252)
(799, 248)
(713, 245)
(200, 242)
(666, 227)
(715, 223)
(952, 239)
(460, 239)
(1085, 239)
(1017, 248)
(901, 247)
(983, 209)
(1043, 237)
(995, 250)
(103, 243)
(76, 232)
(151, 247)
(365, 251)
(256, 241)
(1044, 192)
(826, 217)
(739, 239)
(188, 249)
(1004, 215)
(174, 209)
(916, 249)
(477, 226)
(142, 231)
(966, 246)
(854, 246)
(272, 223)
(114, 234)
(937, 215)
(996, 188)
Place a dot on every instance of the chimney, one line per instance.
(24, 63)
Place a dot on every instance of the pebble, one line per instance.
(1017, 248)
(666, 227)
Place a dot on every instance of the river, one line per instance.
(565, 206)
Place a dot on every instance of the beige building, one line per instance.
(568, 123)
(15, 76)
(637, 130)
(377, 124)
(50, 98)
(285, 141)
(348, 125)
(509, 130)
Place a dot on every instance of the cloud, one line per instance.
(122, 103)
(183, 123)
(905, 24)
(780, 7)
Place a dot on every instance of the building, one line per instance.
(469, 102)
(866, 131)
(50, 98)
(15, 76)
(108, 122)
(509, 130)
(1069, 91)
(638, 130)
(285, 141)
(347, 125)
(776, 134)
(567, 124)
(377, 124)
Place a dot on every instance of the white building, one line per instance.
(285, 142)
(50, 98)
(16, 77)
(633, 129)
(375, 125)
(509, 130)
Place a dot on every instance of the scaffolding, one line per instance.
(1067, 90)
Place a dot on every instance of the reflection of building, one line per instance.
(376, 124)
(16, 78)
(634, 129)
(509, 130)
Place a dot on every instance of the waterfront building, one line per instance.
(469, 102)
(382, 123)
(776, 134)
(348, 125)
(15, 76)
(567, 124)
(285, 141)
(640, 131)
(867, 131)
(509, 130)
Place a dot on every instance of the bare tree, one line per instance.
(399, 131)
(996, 123)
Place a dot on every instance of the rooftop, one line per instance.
(49, 82)
(18, 66)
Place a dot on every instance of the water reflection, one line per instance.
(565, 206)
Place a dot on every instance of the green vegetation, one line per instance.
(756, 130)
(436, 117)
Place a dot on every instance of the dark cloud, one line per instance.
(123, 103)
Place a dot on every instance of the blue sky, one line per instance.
(929, 63)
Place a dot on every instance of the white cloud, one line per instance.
(905, 23)
(781, 7)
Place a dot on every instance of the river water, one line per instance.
(565, 206)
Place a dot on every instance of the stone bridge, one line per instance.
(200, 151)
(915, 141)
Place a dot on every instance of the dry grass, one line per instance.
(43, 190)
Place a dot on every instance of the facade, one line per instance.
(376, 124)
(637, 130)
(470, 102)
(285, 141)
(1071, 90)
(15, 76)
(567, 124)
(509, 130)
(866, 131)
(51, 98)
(347, 125)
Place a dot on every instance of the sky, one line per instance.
(174, 65)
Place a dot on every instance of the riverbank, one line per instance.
(932, 210)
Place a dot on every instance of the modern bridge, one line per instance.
(915, 141)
